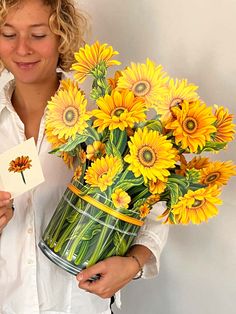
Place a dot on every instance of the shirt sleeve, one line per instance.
(153, 234)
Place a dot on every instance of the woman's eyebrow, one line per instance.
(33, 25)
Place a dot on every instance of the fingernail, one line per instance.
(6, 195)
(80, 277)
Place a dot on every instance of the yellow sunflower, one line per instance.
(218, 173)
(177, 92)
(144, 210)
(153, 199)
(57, 142)
(95, 150)
(112, 82)
(193, 125)
(197, 206)
(225, 129)
(198, 162)
(118, 110)
(181, 170)
(151, 154)
(82, 156)
(90, 56)
(66, 114)
(103, 171)
(78, 172)
(68, 84)
(157, 187)
(120, 198)
(145, 80)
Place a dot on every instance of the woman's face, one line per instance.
(28, 48)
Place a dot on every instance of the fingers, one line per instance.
(5, 199)
(93, 280)
(112, 276)
(6, 211)
(91, 272)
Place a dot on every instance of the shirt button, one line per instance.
(30, 230)
(30, 261)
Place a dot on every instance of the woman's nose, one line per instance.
(23, 47)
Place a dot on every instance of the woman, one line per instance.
(36, 38)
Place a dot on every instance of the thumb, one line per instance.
(91, 273)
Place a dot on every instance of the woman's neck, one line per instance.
(33, 97)
(30, 101)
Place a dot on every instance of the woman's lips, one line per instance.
(26, 65)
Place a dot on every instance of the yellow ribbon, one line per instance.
(105, 208)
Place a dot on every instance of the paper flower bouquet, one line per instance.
(126, 162)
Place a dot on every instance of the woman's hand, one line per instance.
(115, 273)
(6, 211)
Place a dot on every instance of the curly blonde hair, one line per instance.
(65, 21)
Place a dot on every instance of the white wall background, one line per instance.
(195, 40)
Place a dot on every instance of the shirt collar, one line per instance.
(8, 89)
(6, 95)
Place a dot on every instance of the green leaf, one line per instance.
(181, 182)
(139, 202)
(128, 183)
(74, 215)
(212, 146)
(96, 93)
(92, 133)
(155, 125)
(196, 186)
(175, 192)
(71, 144)
(111, 149)
(119, 139)
(93, 230)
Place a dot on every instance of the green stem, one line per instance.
(140, 195)
(99, 247)
(124, 174)
(64, 237)
(61, 211)
(23, 178)
(80, 236)
(59, 227)
(177, 181)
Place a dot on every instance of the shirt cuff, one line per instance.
(153, 235)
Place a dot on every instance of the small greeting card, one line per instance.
(20, 168)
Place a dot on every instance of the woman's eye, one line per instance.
(8, 35)
(37, 36)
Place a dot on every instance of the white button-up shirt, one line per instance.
(29, 282)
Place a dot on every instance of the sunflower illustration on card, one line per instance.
(20, 168)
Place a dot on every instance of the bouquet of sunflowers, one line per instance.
(127, 162)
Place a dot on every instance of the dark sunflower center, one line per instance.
(118, 111)
(212, 177)
(190, 125)
(197, 203)
(70, 116)
(175, 102)
(141, 88)
(147, 156)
